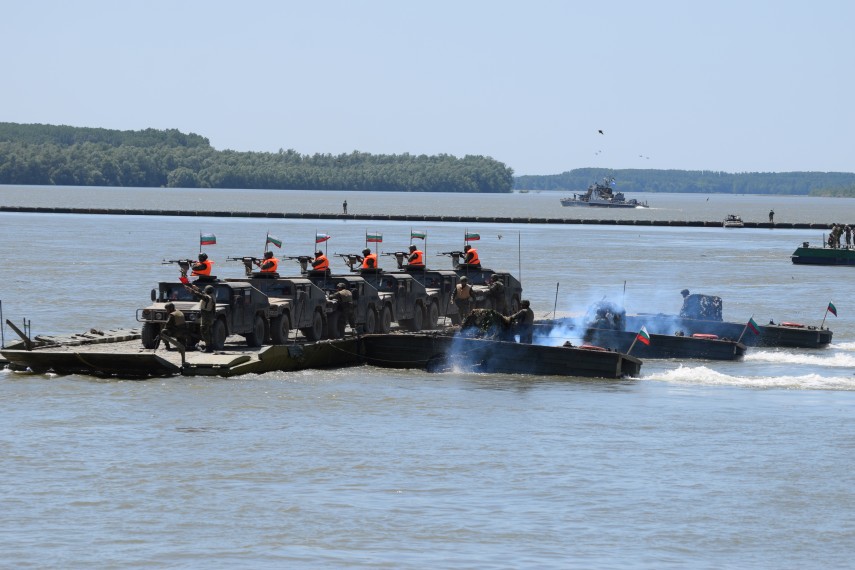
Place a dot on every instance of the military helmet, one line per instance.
(464, 279)
(319, 253)
(340, 286)
(366, 251)
(209, 289)
(525, 304)
(684, 292)
(467, 247)
(268, 254)
(412, 248)
(203, 257)
(169, 306)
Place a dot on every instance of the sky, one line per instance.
(731, 85)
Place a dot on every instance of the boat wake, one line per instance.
(833, 361)
(701, 375)
(850, 346)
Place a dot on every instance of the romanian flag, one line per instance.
(207, 239)
(374, 238)
(274, 240)
(832, 309)
(643, 336)
(320, 238)
(752, 326)
(471, 237)
(419, 235)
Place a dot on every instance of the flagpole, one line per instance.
(200, 243)
(634, 340)
(555, 306)
(745, 328)
(266, 241)
(824, 317)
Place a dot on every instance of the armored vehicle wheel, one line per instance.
(219, 334)
(280, 329)
(385, 322)
(432, 316)
(316, 331)
(256, 337)
(370, 325)
(150, 334)
(417, 322)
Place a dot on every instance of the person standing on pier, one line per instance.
(344, 207)
(771, 216)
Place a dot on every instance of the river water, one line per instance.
(693, 464)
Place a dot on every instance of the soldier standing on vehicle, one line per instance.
(175, 330)
(463, 297)
(471, 257)
(208, 308)
(524, 321)
(496, 293)
(344, 300)
(320, 263)
(203, 267)
(416, 260)
(368, 259)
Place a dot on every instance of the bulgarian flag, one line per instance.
(832, 309)
(471, 236)
(374, 238)
(752, 326)
(207, 239)
(643, 336)
(274, 240)
(320, 238)
(419, 235)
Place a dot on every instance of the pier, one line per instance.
(404, 218)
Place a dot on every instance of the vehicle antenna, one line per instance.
(555, 306)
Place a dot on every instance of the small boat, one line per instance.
(807, 255)
(733, 221)
(599, 194)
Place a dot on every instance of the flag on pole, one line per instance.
(832, 309)
(207, 239)
(752, 326)
(419, 235)
(471, 236)
(320, 238)
(643, 336)
(374, 238)
(274, 240)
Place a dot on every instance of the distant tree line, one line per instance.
(697, 181)
(75, 156)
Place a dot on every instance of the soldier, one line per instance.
(524, 321)
(471, 257)
(344, 300)
(771, 216)
(269, 264)
(344, 206)
(416, 260)
(368, 259)
(175, 330)
(203, 267)
(496, 293)
(320, 263)
(208, 307)
(463, 297)
(848, 232)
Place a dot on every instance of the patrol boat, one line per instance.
(599, 194)
(807, 255)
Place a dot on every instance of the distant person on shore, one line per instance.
(771, 216)
(344, 206)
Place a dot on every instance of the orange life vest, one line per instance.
(373, 258)
(321, 263)
(474, 257)
(206, 270)
(272, 268)
(417, 259)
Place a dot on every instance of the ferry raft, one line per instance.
(807, 255)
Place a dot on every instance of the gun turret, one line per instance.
(351, 259)
(248, 262)
(303, 260)
(399, 257)
(183, 264)
(455, 257)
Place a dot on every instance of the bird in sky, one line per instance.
(601, 132)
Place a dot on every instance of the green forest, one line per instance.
(76, 156)
(701, 181)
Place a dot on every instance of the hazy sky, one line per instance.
(727, 85)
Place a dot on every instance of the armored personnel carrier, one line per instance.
(479, 277)
(439, 284)
(295, 303)
(241, 310)
(404, 300)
